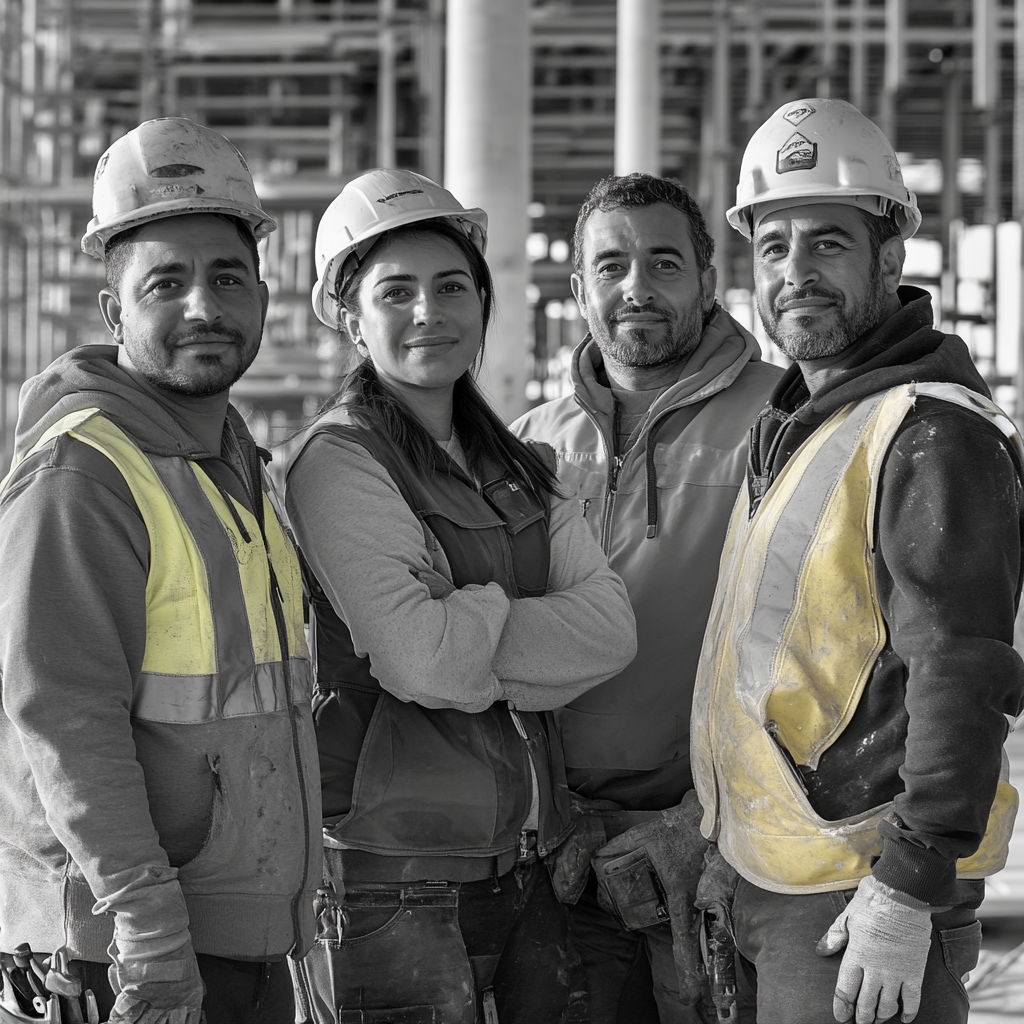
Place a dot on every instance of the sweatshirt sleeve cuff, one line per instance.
(919, 871)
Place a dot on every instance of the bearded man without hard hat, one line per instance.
(159, 799)
(653, 443)
(858, 674)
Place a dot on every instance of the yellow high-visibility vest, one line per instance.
(791, 642)
(212, 644)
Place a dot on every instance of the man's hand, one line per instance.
(887, 945)
(160, 990)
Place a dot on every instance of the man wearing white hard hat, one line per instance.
(160, 795)
(858, 674)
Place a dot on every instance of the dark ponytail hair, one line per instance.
(482, 434)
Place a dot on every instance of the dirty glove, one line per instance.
(569, 865)
(161, 989)
(649, 874)
(887, 935)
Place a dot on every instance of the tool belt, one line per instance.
(42, 988)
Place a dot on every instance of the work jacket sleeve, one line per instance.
(367, 549)
(580, 633)
(75, 556)
(948, 563)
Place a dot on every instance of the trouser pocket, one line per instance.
(961, 948)
(401, 958)
(629, 889)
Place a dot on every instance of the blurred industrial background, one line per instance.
(517, 106)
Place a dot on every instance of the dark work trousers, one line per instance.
(626, 977)
(237, 991)
(441, 952)
(781, 980)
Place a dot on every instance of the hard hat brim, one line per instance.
(96, 237)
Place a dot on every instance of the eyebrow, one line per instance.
(178, 267)
(775, 235)
(412, 277)
(658, 250)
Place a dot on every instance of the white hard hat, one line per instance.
(168, 167)
(374, 203)
(821, 150)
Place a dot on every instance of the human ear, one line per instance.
(351, 326)
(708, 284)
(110, 310)
(579, 293)
(891, 256)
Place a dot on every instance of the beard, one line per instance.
(670, 341)
(203, 375)
(802, 340)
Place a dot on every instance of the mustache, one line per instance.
(789, 298)
(620, 314)
(199, 332)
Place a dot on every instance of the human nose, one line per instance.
(636, 287)
(800, 268)
(201, 304)
(427, 310)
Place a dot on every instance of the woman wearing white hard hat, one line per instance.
(456, 597)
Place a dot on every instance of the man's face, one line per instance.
(189, 309)
(642, 294)
(819, 284)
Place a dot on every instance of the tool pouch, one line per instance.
(628, 888)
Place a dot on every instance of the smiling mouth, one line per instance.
(431, 342)
(809, 305)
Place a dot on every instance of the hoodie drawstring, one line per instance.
(652, 489)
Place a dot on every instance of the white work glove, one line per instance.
(886, 943)
(163, 989)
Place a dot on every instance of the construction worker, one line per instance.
(858, 674)
(652, 443)
(159, 792)
(456, 598)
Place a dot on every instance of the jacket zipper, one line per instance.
(614, 468)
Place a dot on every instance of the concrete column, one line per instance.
(487, 163)
(638, 87)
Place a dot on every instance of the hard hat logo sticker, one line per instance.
(797, 154)
(797, 114)
(395, 195)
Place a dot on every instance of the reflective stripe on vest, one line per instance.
(793, 636)
(212, 646)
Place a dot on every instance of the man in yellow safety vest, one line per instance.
(159, 791)
(858, 673)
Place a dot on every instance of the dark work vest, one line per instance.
(435, 793)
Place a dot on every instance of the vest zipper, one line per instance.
(772, 729)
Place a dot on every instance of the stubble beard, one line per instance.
(803, 344)
(216, 376)
(669, 342)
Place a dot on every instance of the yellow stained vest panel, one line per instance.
(212, 646)
(794, 633)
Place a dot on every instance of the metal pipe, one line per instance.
(487, 163)
(638, 87)
(386, 86)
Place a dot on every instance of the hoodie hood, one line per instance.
(724, 349)
(905, 348)
(89, 377)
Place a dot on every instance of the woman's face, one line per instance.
(420, 316)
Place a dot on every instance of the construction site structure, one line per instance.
(315, 91)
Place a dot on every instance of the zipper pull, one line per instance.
(614, 482)
(517, 721)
